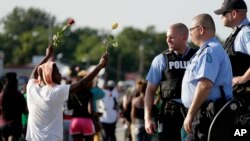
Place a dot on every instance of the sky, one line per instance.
(100, 14)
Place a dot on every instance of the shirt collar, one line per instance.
(244, 22)
(213, 39)
(188, 48)
(206, 44)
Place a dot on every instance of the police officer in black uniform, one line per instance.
(166, 72)
(234, 15)
(237, 45)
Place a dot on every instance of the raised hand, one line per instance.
(104, 60)
(50, 52)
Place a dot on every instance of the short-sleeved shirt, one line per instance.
(97, 94)
(158, 65)
(45, 104)
(108, 106)
(210, 62)
(242, 40)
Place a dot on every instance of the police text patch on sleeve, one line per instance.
(247, 37)
(209, 58)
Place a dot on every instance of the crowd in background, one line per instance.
(103, 105)
(91, 107)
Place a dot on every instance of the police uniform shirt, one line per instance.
(242, 41)
(211, 62)
(158, 65)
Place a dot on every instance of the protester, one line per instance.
(207, 78)
(137, 114)
(126, 106)
(46, 96)
(12, 106)
(22, 86)
(166, 72)
(97, 95)
(82, 126)
(1, 93)
(108, 106)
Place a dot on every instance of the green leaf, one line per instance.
(110, 37)
(115, 44)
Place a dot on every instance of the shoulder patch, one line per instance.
(247, 37)
(208, 58)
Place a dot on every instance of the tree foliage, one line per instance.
(28, 32)
(25, 33)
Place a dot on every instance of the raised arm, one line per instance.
(83, 81)
(49, 56)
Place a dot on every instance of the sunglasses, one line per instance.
(223, 14)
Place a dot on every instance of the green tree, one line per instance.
(31, 43)
(21, 20)
(26, 34)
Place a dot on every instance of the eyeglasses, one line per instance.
(192, 28)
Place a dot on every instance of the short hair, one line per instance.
(205, 20)
(180, 28)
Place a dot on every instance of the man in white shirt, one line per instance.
(46, 96)
(108, 107)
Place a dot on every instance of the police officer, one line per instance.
(209, 70)
(237, 45)
(166, 71)
(234, 15)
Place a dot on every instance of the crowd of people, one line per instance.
(178, 100)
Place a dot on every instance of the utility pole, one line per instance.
(141, 59)
(119, 67)
(1, 63)
(50, 31)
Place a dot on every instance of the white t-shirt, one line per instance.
(107, 107)
(45, 104)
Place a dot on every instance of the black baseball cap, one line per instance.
(228, 5)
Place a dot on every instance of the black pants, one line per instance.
(13, 129)
(172, 120)
(203, 119)
(200, 127)
(243, 118)
(108, 133)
